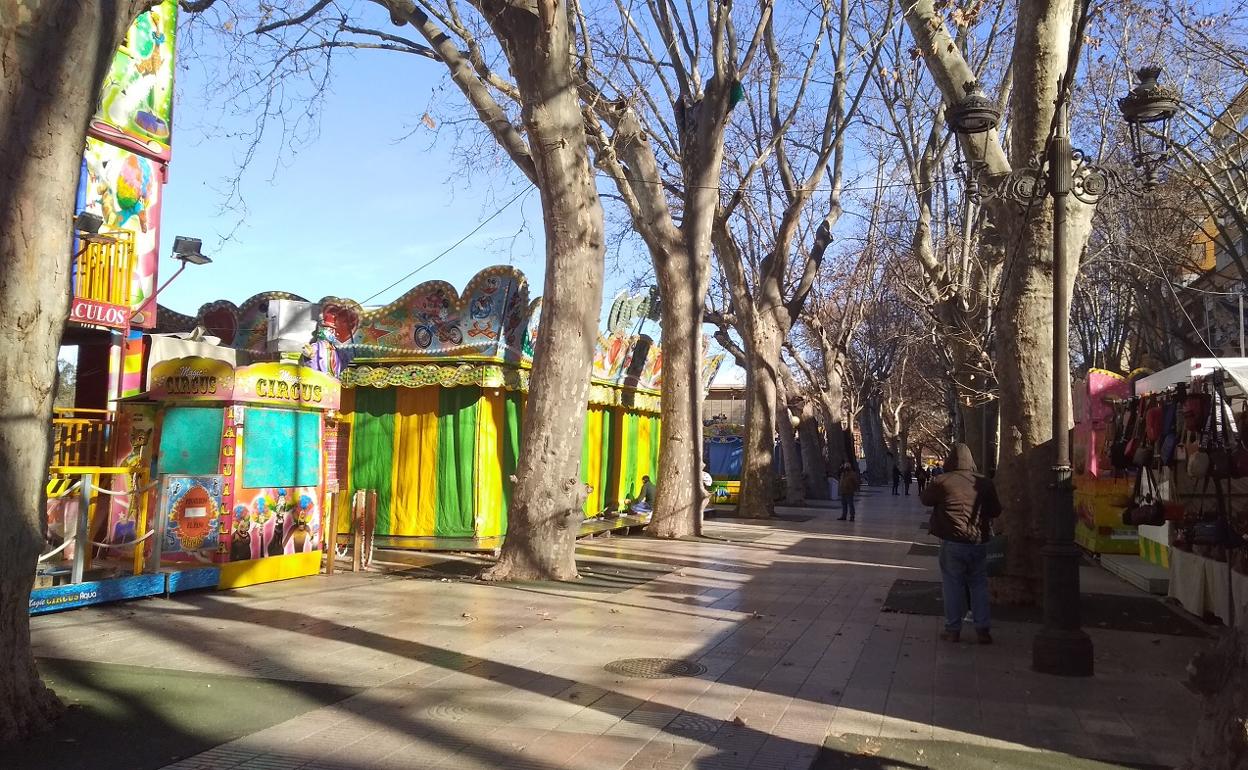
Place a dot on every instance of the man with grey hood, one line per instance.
(964, 503)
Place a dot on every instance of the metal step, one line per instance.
(1139, 573)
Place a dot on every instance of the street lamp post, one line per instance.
(1061, 646)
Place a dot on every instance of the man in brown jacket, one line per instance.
(963, 505)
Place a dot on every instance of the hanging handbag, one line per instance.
(1196, 407)
(1199, 457)
(1154, 421)
(1140, 450)
(1173, 511)
(1120, 451)
(1221, 452)
(1146, 510)
(1170, 433)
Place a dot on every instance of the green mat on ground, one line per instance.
(860, 752)
(123, 717)
(922, 549)
(1113, 612)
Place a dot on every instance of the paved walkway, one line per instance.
(785, 616)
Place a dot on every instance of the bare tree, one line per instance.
(949, 272)
(1042, 67)
(661, 116)
(768, 244)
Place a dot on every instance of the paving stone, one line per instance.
(788, 625)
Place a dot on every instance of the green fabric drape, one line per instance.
(584, 472)
(630, 484)
(372, 454)
(514, 414)
(457, 446)
(655, 430)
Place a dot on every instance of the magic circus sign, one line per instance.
(278, 384)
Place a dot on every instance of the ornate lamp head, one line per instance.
(974, 113)
(1147, 109)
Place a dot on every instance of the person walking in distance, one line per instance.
(921, 476)
(847, 485)
(964, 503)
(907, 477)
(895, 468)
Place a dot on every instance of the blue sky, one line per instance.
(351, 212)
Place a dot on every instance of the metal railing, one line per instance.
(104, 268)
(81, 438)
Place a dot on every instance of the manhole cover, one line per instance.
(655, 668)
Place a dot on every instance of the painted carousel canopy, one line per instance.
(434, 335)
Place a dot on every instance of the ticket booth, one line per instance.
(240, 470)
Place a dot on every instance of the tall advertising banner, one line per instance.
(129, 145)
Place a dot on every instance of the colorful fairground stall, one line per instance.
(1101, 489)
(434, 388)
(225, 485)
(240, 467)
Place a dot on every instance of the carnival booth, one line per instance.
(221, 483)
(239, 467)
(1186, 429)
(435, 401)
(434, 388)
(1102, 491)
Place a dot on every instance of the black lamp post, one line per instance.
(1061, 646)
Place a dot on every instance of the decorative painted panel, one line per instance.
(136, 100)
(191, 510)
(124, 188)
(274, 521)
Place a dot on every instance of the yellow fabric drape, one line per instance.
(415, 483)
(645, 463)
(593, 468)
(488, 501)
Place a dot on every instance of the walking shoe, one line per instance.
(983, 636)
(841, 519)
(851, 518)
(950, 636)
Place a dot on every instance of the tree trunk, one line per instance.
(53, 58)
(812, 453)
(1221, 675)
(758, 478)
(832, 401)
(679, 499)
(1025, 377)
(871, 424)
(794, 469)
(971, 431)
(545, 513)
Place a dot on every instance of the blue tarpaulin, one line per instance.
(723, 455)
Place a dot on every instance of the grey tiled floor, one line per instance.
(789, 626)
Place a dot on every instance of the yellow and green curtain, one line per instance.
(440, 459)
(619, 447)
(595, 449)
(638, 452)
